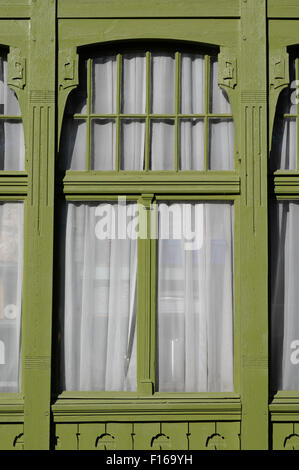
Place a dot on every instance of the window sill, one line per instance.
(93, 183)
(285, 406)
(11, 408)
(74, 407)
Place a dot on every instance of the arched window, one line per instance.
(149, 110)
(152, 312)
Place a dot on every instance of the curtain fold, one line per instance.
(100, 302)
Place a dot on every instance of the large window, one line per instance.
(148, 280)
(12, 159)
(284, 217)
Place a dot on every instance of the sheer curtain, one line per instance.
(221, 132)
(98, 325)
(284, 138)
(285, 295)
(12, 147)
(192, 102)
(195, 298)
(133, 102)
(11, 271)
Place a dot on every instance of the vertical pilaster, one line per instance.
(253, 225)
(39, 228)
(145, 323)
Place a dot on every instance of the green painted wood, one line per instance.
(280, 431)
(123, 434)
(206, 31)
(177, 434)
(11, 436)
(145, 333)
(93, 436)
(144, 8)
(230, 432)
(215, 22)
(38, 246)
(66, 436)
(199, 434)
(15, 9)
(253, 226)
(286, 9)
(145, 434)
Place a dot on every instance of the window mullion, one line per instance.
(177, 107)
(206, 118)
(145, 319)
(88, 120)
(118, 110)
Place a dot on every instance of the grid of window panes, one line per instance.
(12, 148)
(148, 110)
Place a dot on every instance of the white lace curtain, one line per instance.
(11, 270)
(195, 302)
(162, 130)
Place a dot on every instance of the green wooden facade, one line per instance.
(44, 39)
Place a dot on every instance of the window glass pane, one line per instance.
(73, 145)
(192, 83)
(163, 83)
(77, 100)
(12, 146)
(191, 144)
(195, 297)
(11, 271)
(287, 99)
(9, 104)
(219, 100)
(104, 78)
(284, 144)
(103, 144)
(221, 144)
(98, 328)
(162, 145)
(284, 138)
(134, 84)
(285, 295)
(132, 144)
